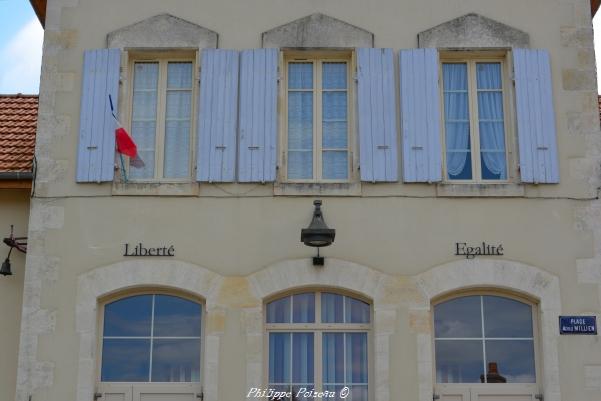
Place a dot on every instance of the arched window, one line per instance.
(319, 341)
(151, 338)
(484, 339)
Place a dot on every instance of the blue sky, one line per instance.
(20, 47)
(21, 38)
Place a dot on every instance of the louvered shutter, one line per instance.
(258, 115)
(218, 115)
(96, 148)
(420, 115)
(537, 135)
(376, 115)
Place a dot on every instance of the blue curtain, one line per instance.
(491, 124)
(457, 125)
(300, 120)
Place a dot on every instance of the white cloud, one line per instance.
(21, 60)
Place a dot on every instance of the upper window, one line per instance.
(317, 118)
(475, 120)
(318, 341)
(484, 339)
(151, 338)
(162, 94)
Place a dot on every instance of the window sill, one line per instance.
(155, 189)
(507, 190)
(317, 189)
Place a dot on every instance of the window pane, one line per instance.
(458, 361)
(177, 149)
(129, 317)
(335, 165)
(278, 311)
(333, 358)
(125, 360)
(334, 75)
(300, 76)
(458, 318)
(176, 317)
(514, 360)
(144, 110)
(303, 308)
(332, 308)
(489, 75)
(176, 361)
(356, 357)
(335, 135)
(457, 129)
(179, 105)
(334, 106)
(300, 165)
(300, 135)
(357, 393)
(356, 311)
(505, 317)
(279, 357)
(302, 358)
(179, 75)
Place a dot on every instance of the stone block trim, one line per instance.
(473, 31)
(174, 274)
(317, 30)
(528, 280)
(163, 31)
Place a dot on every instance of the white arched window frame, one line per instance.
(319, 329)
(510, 386)
(153, 292)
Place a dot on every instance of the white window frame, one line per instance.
(318, 329)
(501, 387)
(129, 294)
(317, 57)
(163, 58)
(471, 58)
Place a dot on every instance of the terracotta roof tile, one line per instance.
(18, 123)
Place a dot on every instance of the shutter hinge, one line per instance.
(97, 396)
(435, 397)
(539, 397)
(200, 396)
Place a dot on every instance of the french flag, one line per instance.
(125, 143)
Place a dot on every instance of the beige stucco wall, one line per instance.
(397, 232)
(14, 209)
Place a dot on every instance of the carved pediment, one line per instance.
(162, 31)
(473, 31)
(317, 30)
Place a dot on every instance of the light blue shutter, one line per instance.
(376, 114)
(535, 116)
(420, 115)
(96, 148)
(218, 115)
(258, 115)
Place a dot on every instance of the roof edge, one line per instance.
(39, 6)
(595, 6)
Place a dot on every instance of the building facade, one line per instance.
(455, 148)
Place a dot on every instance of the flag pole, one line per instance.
(123, 172)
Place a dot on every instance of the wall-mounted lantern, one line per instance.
(13, 242)
(318, 234)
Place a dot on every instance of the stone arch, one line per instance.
(120, 276)
(337, 274)
(503, 274)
